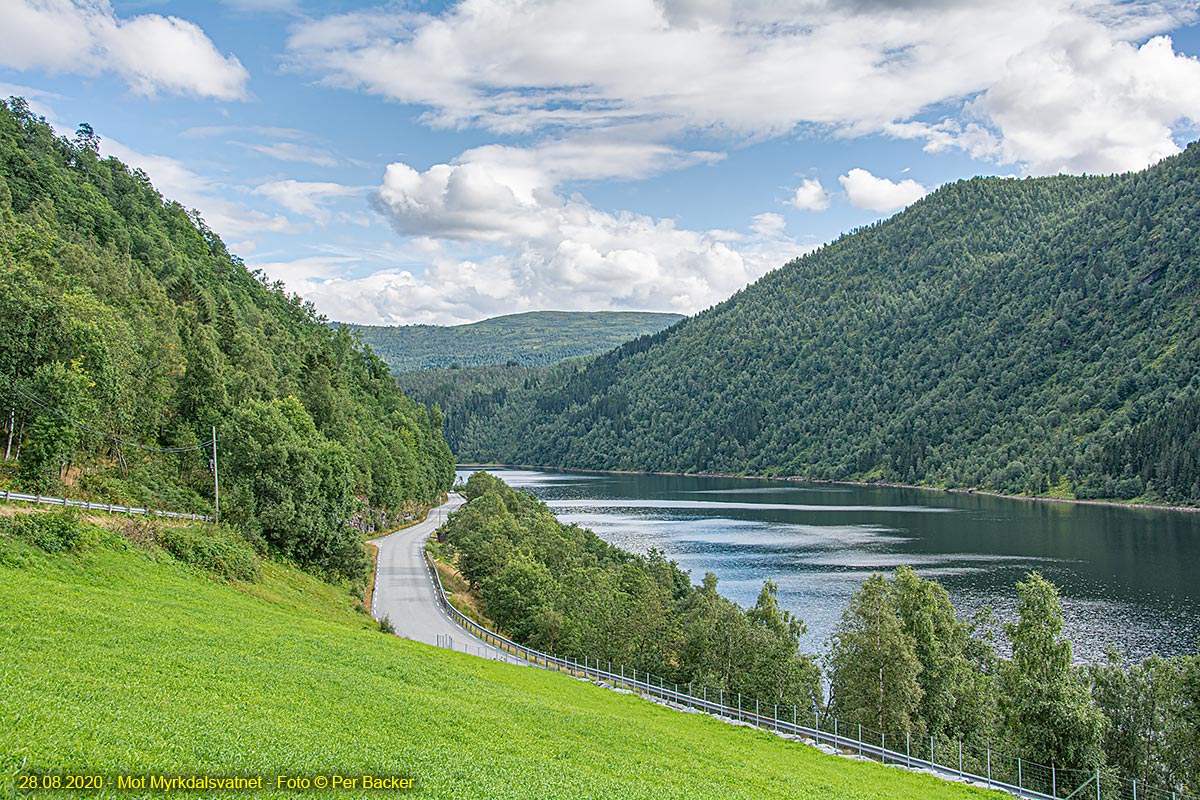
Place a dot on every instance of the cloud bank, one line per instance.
(152, 53)
(1041, 84)
(498, 238)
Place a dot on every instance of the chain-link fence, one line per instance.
(953, 760)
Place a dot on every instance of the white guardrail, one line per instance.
(1053, 783)
(87, 505)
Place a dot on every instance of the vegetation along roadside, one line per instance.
(901, 662)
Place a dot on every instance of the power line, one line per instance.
(118, 440)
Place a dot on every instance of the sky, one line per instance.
(424, 162)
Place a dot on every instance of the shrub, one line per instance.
(53, 531)
(385, 625)
(211, 548)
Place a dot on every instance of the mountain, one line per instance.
(1028, 336)
(128, 332)
(535, 338)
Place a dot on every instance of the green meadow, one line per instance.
(119, 658)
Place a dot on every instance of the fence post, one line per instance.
(908, 748)
(739, 706)
(932, 763)
(860, 740)
(883, 748)
(960, 764)
(989, 759)
(777, 717)
(1098, 784)
(835, 731)
(1020, 778)
(757, 716)
(1054, 782)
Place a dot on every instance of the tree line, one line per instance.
(128, 329)
(901, 662)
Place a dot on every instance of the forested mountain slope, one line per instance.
(122, 314)
(1038, 335)
(535, 338)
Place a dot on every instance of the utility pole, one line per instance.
(216, 482)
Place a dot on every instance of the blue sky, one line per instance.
(442, 163)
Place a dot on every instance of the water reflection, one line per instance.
(1128, 576)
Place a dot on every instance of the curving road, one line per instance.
(405, 595)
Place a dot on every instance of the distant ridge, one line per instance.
(531, 339)
(1037, 336)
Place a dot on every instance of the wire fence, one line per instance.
(87, 505)
(981, 766)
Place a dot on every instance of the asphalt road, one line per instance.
(404, 592)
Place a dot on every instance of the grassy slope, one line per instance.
(118, 660)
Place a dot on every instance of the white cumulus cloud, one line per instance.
(554, 247)
(1091, 104)
(151, 52)
(864, 190)
(810, 196)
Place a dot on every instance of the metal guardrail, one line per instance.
(87, 505)
(819, 732)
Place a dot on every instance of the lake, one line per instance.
(1128, 577)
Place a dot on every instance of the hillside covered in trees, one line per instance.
(1028, 336)
(535, 338)
(128, 331)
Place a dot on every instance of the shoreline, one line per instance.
(861, 484)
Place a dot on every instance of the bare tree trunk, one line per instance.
(12, 421)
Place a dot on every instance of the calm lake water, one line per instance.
(1129, 577)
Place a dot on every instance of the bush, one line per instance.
(385, 625)
(211, 548)
(53, 531)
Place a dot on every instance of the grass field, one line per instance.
(119, 659)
